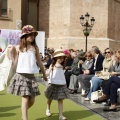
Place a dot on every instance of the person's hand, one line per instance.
(113, 73)
(81, 62)
(86, 72)
(45, 77)
(67, 67)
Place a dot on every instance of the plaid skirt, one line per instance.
(56, 92)
(23, 85)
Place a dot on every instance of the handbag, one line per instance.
(95, 95)
(103, 75)
(7, 69)
(76, 70)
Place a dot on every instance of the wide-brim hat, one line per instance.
(58, 53)
(27, 30)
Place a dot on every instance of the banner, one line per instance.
(12, 37)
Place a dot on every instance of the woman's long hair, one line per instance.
(23, 44)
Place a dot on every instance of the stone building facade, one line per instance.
(60, 21)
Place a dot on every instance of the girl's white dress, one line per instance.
(24, 82)
(57, 88)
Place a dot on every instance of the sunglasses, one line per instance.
(88, 56)
(107, 52)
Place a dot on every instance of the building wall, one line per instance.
(60, 21)
(14, 8)
(63, 24)
(44, 16)
(114, 23)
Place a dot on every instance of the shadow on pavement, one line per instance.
(7, 114)
(71, 115)
(5, 109)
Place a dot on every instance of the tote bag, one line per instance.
(6, 70)
(95, 95)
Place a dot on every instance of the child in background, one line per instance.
(57, 89)
(24, 83)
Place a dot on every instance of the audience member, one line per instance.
(85, 66)
(102, 75)
(110, 90)
(73, 86)
(96, 66)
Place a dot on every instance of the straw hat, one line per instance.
(28, 29)
(58, 53)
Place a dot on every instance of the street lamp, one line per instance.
(87, 27)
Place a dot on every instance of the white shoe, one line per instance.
(62, 118)
(48, 113)
(87, 99)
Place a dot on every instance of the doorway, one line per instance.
(30, 13)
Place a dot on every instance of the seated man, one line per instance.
(102, 75)
(96, 66)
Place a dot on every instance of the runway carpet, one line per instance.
(10, 109)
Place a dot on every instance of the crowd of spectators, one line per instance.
(86, 72)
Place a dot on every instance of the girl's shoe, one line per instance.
(62, 118)
(48, 113)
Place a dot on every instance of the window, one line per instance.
(3, 7)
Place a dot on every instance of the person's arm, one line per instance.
(13, 52)
(40, 64)
(49, 70)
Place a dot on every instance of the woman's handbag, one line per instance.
(5, 66)
(103, 75)
(7, 69)
(95, 95)
(76, 70)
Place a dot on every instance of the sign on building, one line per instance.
(12, 37)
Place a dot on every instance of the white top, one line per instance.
(27, 62)
(57, 76)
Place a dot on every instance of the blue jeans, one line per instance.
(95, 85)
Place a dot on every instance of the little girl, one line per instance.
(24, 82)
(57, 89)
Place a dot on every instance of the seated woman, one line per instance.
(111, 87)
(85, 66)
(75, 71)
(102, 75)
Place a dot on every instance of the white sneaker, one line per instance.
(87, 99)
(48, 113)
(62, 118)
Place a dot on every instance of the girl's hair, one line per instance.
(23, 43)
(54, 62)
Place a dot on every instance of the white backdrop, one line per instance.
(8, 37)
